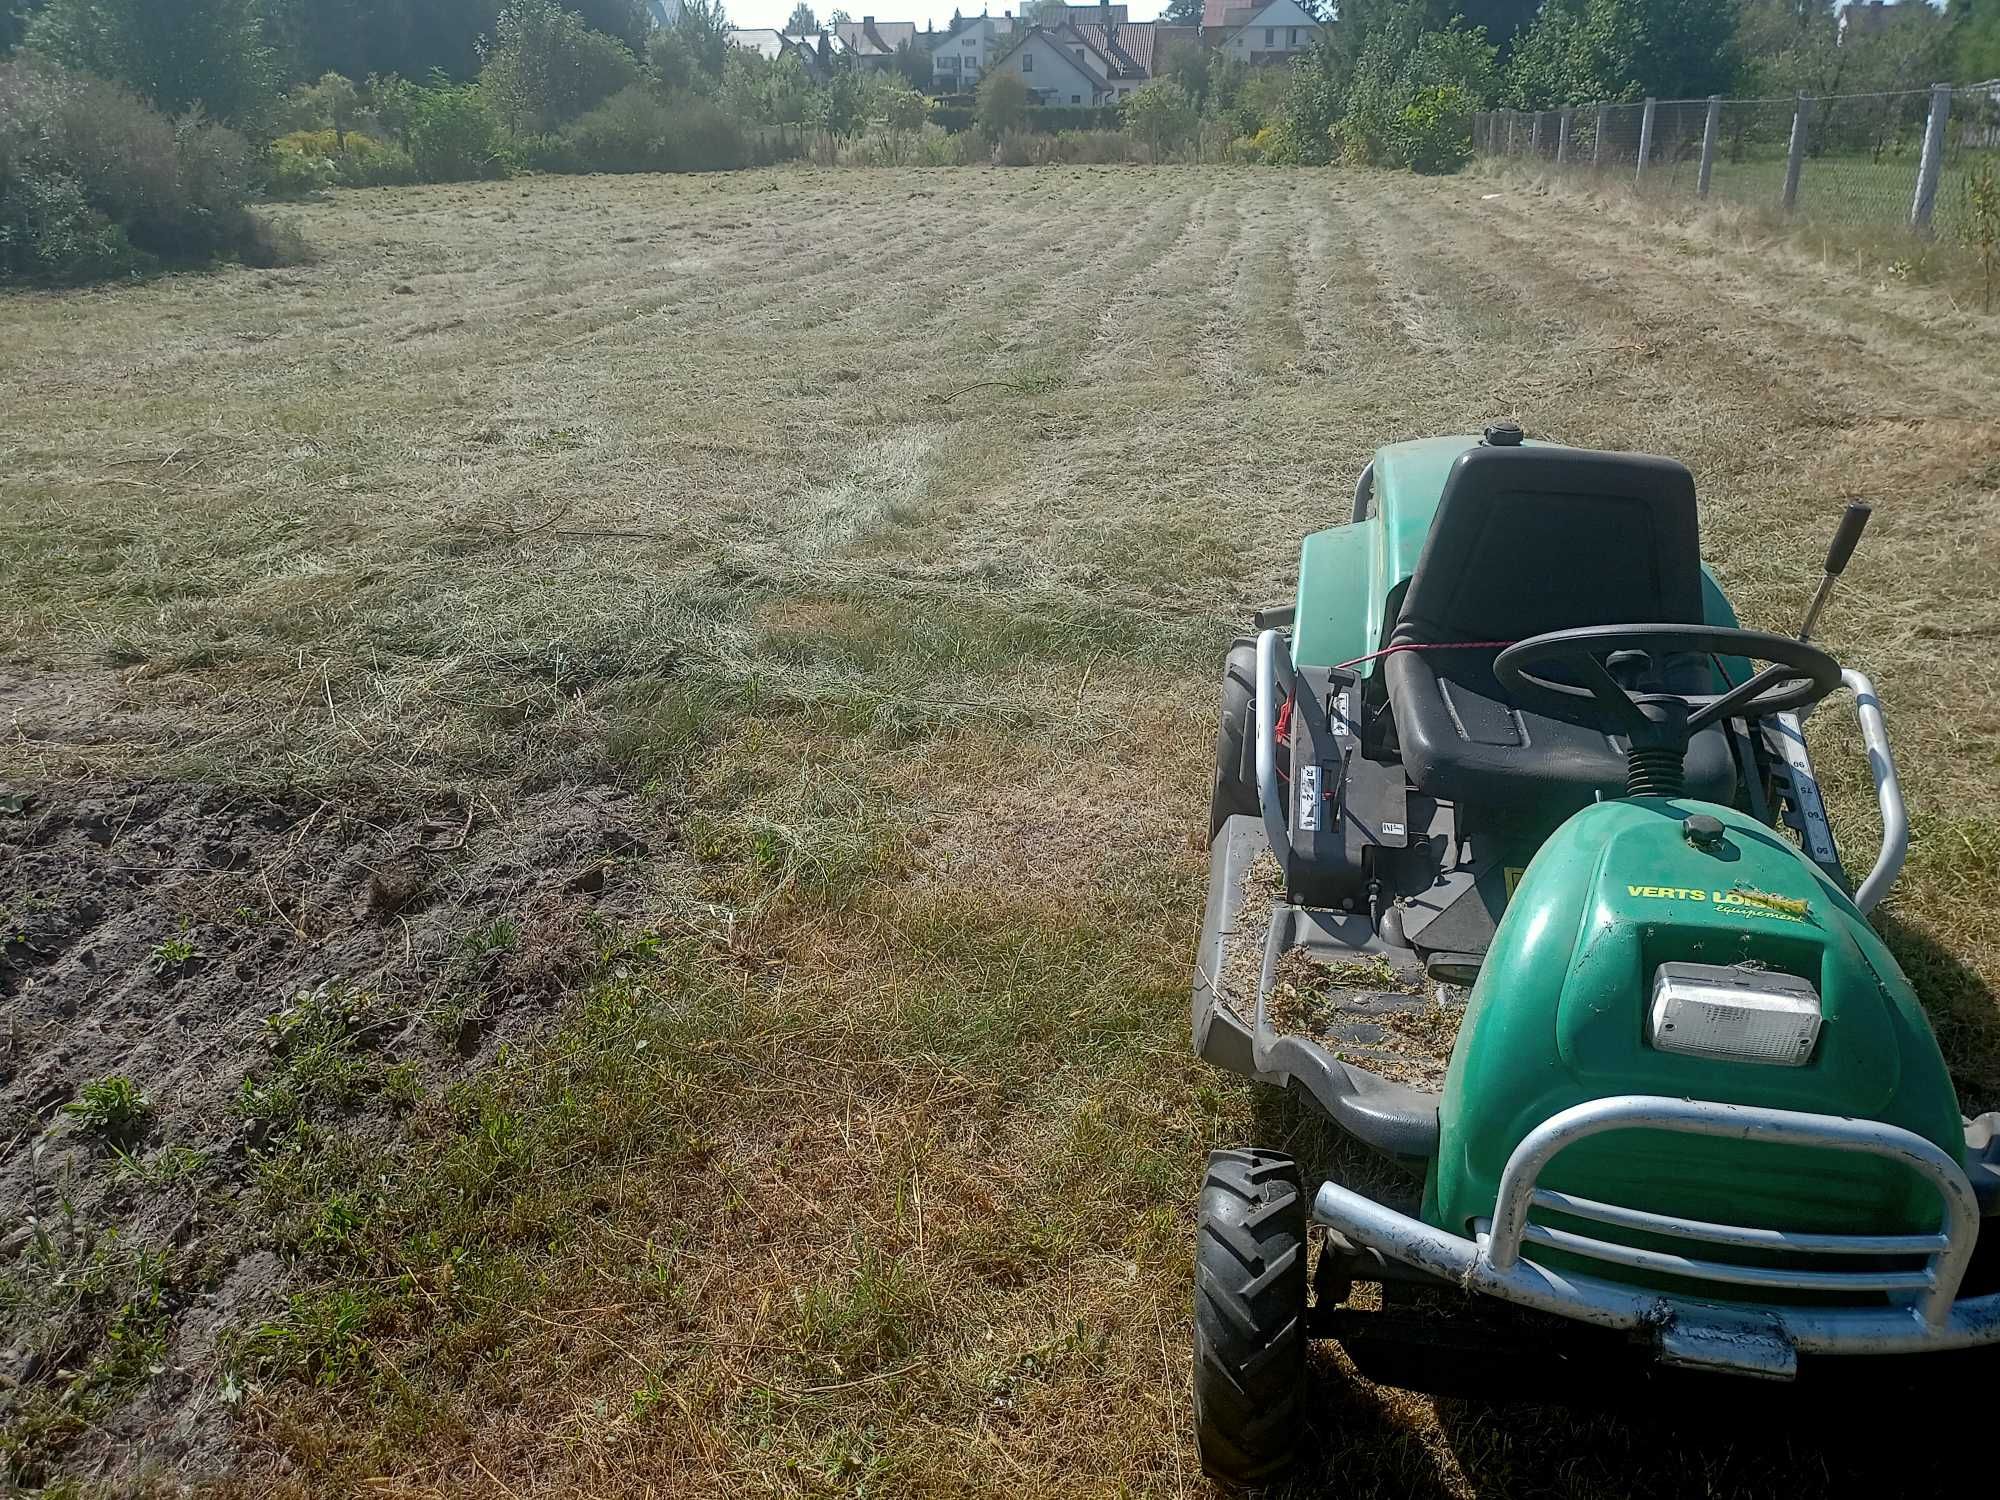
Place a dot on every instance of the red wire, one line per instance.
(1428, 646)
(1284, 725)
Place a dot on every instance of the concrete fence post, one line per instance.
(1925, 203)
(1513, 119)
(1795, 158)
(1597, 151)
(1645, 137)
(1535, 135)
(1710, 133)
(1562, 137)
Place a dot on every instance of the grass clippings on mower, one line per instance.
(1367, 1013)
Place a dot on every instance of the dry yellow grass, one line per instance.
(877, 536)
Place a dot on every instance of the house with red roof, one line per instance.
(1274, 32)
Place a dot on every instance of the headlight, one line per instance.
(1745, 1015)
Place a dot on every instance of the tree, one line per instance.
(838, 106)
(178, 54)
(624, 19)
(546, 67)
(1975, 39)
(803, 22)
(1579, 51)
(838, 19)
(1182, 13)
(14, 18)
(1002, 104)
(1047, 12)
(1503, 21)
(334, 100)
(1410, 101)
(705, 29)
(1161, 114)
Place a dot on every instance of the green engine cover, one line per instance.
(1558, 1017)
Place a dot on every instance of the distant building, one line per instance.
(1059, 65)
(964, 49)
(873, 44)
(664, 12)
(766, 41)
(1269, 33)
(1865, 19)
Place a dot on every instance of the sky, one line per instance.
(776, 12)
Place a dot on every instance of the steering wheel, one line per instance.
(1800, 674)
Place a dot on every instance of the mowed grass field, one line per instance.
(623, 762)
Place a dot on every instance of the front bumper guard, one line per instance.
(1900, 1311)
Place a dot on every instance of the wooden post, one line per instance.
(1925, 203)
(1795, 159)
(1645, 138)
(1710, 133)
(1513, 119)
(1535, 135)
(1562, 137)
(1597, 151)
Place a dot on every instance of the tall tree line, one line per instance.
(143, 42)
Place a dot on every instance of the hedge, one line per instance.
(1046, 119)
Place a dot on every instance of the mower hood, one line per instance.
(1559, 1017)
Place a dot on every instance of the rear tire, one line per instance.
(1235, 789)
(1250, 1317)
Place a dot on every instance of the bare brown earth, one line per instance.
(621, 763)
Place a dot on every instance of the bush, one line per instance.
(1161, 114)
(94, 183)
(1434, 132)
(1028, 148)
(454, 136)
(1003, 106)
(350, 158)
(294, 174)
(636, 130)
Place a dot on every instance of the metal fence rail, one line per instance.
(1885, 160)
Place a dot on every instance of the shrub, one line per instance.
(454, 135)
(1434, 132)
(1028, 148)
(636, 130)
(295, 174)
(1003, 106)
(350, 158)
(94, 183)
(1161, 114)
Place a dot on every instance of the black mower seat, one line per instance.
(1526, 541)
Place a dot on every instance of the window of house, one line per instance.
(1270, 35)
(969, 42)
(1076, 98)
(1292, 40)
(1027, 62)
(1079, 53)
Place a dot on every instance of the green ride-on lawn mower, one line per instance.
(1520, 875)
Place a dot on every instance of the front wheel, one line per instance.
(1235, 788)
(1250, 1317)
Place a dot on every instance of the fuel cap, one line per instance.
(1703, 830)
(1504, 435)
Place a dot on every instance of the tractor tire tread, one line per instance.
(1250, 1304)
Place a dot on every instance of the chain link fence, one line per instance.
(1888, 160)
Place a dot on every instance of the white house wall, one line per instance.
(1056, 76)
(1279, 29)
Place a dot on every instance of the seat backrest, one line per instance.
(1529, 540)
